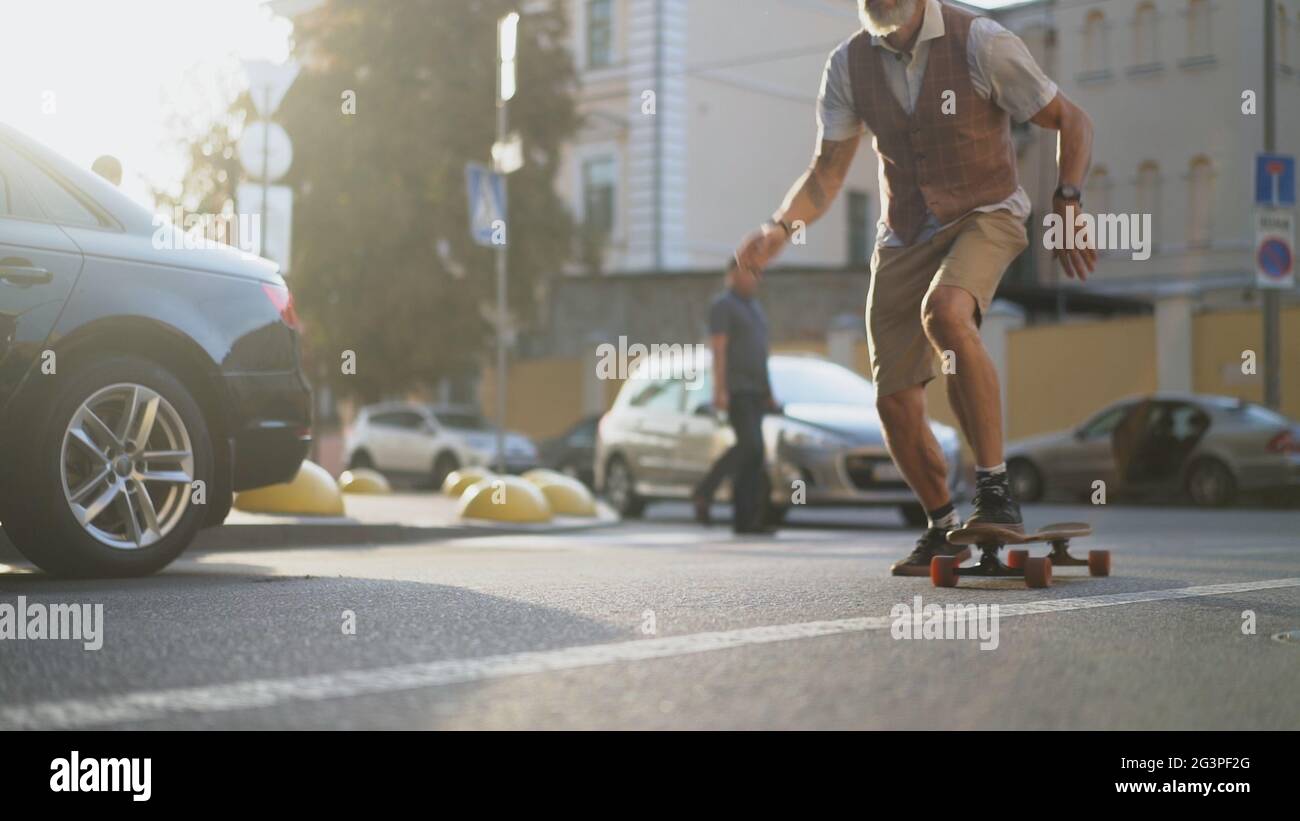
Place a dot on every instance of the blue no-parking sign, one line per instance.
(1274, 248)
(487, 201)
(1275, 180)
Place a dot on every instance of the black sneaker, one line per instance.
(933, 542)
(994, 505)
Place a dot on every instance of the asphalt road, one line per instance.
(661, 624)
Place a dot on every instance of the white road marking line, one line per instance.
(246, 695)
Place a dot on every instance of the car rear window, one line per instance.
(57, 202)
(1263, 415)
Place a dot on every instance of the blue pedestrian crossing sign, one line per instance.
(1275, 180)
(487, 204)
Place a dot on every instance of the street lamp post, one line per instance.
(1272, 298)
(507, 47)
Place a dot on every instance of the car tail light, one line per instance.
(282, 299)
(1283, 442)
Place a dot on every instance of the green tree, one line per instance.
(383, 262)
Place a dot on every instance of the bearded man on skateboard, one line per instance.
(937, 88)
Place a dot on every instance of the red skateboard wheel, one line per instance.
(1099, 562)
(943, 571)
(1038, 572)
(1016, 558)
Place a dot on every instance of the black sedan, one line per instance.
(142, 382)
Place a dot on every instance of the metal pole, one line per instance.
(501, 357)
(1272, 297)
(502, 126)
(266, 161)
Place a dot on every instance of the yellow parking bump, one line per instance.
(505, 499)
(312, 492)
(364, 480)
(566, 495)
(458, 481)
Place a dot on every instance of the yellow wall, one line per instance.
(1060, 374)
(543, 399)
(1218, 341)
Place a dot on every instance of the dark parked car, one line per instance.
(141, 382)
(574, 451)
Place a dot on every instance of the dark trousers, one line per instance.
(743, 460)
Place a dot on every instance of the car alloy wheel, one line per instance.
(127, 464)
(1210, 484)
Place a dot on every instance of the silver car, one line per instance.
(662, 435)
(1208, 448)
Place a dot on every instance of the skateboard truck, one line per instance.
(1037, 572)
(944, 570)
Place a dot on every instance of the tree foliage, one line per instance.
(383, 264)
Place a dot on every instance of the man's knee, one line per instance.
(947, 312)
(898, 407)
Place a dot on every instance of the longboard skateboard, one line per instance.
(1037, 572)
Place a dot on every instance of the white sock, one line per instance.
(949, 522)
(999, 468)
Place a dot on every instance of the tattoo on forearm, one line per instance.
(833, 162)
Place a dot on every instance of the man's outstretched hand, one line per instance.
(760, 247)
(1077, 262)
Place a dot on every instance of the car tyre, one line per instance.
(1025, 479)
(444, 466)
(620, 489)
(1210, 484)
(62, 471)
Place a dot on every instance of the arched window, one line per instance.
(1146, 35)
(1200, 201)
(1148, 196)
(1096, 48)
(1199, 34)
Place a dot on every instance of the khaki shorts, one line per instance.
(972, 254)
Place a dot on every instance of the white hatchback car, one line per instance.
(422, 443)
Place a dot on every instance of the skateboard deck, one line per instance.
(1037, 572)
(981, 534)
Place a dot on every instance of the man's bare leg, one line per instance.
(913, 446)
(919, 458)
(948, 316)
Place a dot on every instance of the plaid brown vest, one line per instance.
(947, 163)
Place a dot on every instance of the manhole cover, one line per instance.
(1290, 637)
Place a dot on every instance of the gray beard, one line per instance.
(883, 25)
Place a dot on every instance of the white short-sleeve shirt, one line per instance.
(1001, 69)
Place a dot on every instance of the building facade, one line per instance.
(1169, 85)
(699, 114)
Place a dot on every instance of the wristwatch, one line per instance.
(1069, 193)
(782, 224)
